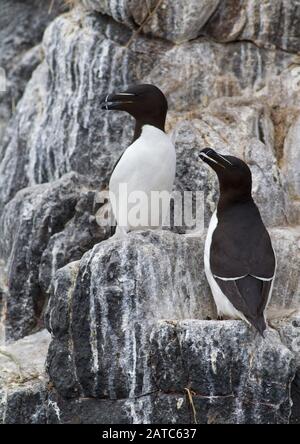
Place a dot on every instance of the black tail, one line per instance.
(260, 324)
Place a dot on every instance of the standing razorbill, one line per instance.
(239, 260)
(148, 164)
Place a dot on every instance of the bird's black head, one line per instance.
(234, 175)
(146, 103)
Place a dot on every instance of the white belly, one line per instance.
(147, 166)
(224, 306)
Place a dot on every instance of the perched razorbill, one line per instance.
(239, 260)
(147, 165)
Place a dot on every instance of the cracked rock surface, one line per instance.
(271, 23)
(133, 332)
(23, 380)
(21, 29)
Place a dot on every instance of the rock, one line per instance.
(150, 409)
(194, 74)
(79, 235)
(230, 349)
(21, 30)
(132, 340)
(291, 166)
(25, 405)
(52, 133)
(54, 162)
(38, 115)
(121, 288)
(204, 372)
(252, 370)
(177, 21)
(112, 300)
(269, 24)
(60, 359)
(86, 411)
(22, 380)
(44, 227)
(295, 395)
(3, 292)
(289, 333)
(286, 244)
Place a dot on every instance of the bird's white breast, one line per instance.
(147, 165)
(224, 306)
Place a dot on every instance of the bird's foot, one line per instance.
(220, 318)
(121, 233)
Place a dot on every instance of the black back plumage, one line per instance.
(241, 244)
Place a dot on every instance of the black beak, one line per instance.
(212, 158)
(117, 101)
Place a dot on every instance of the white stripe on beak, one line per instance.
(225, 159)
(212, 160)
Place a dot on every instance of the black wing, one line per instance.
(248, 295)
(241, 244)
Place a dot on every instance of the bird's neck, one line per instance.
(233, 197)
(157, 122)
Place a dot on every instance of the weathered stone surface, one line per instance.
(86, 411)
(3, 292)
(254, 392)
(45, 139)
(291, 166)
(86, 56)
(121, 289)
(295, 395)
(21, 29)
(204, 372)
(22, 380)
(177, 21)
(60, 359)
(24, 404)
(150, 409)
(241, 98)
(43, 228)
(270, 23)
(228, 364)
(286, 244)
(289, 331)
(111, 299)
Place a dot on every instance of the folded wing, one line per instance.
(249, 295)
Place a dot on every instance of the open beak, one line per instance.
(208, 155)
(117, 101)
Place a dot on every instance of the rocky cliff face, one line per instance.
(133, 335)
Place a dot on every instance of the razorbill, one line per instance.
(239, 259)
(147, 165)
